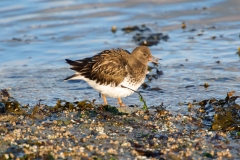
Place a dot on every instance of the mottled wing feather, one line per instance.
(108, 67)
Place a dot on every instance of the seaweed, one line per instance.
(13, 107)
(4, 95)
(141, 28)
(145, 108)
(238, 51)
(144, 36)
(221, 114)
(207, 155)
(111, 109)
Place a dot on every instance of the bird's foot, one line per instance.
(121, 103)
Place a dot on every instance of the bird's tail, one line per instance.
(71, 77)
(76, 66)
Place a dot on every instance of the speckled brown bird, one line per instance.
(115, 73)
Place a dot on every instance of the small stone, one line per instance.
(102, 136)
(6, 156)
(114, 29)
(206, 85)
(112, 151)
(90, 147)
(100, 129)
(126, 144)
(146, 117)
(183, 25)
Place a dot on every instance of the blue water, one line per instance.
(37, 35)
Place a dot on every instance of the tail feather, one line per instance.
(77, 66)
(70, 77)
(72, 63)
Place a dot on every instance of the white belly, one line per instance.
(114, 92)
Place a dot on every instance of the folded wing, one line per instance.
(108, 67)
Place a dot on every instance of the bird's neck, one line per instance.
(137, 67)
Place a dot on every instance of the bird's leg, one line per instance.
(104, 99)
(121, 103)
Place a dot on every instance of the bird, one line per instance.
(115, 73)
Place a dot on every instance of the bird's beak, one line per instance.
(153, 59)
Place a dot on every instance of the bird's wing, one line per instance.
(107, 67)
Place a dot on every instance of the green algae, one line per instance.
(111, 109)
(207, 155)
(145, 108)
